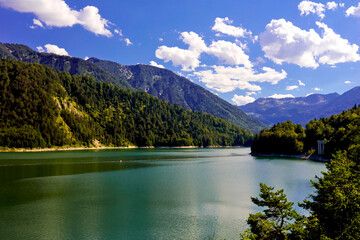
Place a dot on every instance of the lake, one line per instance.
(140, 193)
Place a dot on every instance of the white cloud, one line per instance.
(229, 53)
(161, 39)
(353, 11)
(250, 93)
(37, 22)
(284, 42)
(86, 58)
(347, 82)
(128, 42)
(195, 42)
(317, 89)
(293, 87)
(331, 5)
(309, 94)
(222, 25)
(307, 7)
(341, 4)
(187, 59)
(154, 64)
(118, 32)
(226, 79)
(278, 96)
(57, 13)
(301, 83)
(50, 48)
(242, 100)
(40, 49)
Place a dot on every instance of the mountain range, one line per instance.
(301, 109)
(158, 82)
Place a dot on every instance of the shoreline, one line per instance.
(300, 156)
(103, 148)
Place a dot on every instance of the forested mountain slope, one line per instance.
(72, 65)
(43, 108)
(175, 89)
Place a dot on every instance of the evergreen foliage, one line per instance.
(339, 131)
(43, 108)
(334, 208)
(282, 138)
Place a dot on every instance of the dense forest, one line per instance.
(340, 132)
(43, 108)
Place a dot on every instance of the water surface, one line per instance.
(140, 193)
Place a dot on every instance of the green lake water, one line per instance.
(141, 193)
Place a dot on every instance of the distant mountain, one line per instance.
(301, 109)
(175, 89)
(72, 65)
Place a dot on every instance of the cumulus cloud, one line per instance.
(226, 79)
(242, 100)
(187, 59)
(331, 5)
(250, 93)
(223, 25)
(301, 83)
(307, 7)
(278, 96)
(347, 82)
(293, 87)
(317, 89)
(229, 53)
(284, 42)
(155, 64)
(353, 11)
(86, 58)
(50, 48)
(56, 13)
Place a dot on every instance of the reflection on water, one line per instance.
(139, 194)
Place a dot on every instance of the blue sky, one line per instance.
(240, 50)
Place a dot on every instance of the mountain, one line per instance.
(43, 108)
(301, 109)
(72, 65)
(166, 85)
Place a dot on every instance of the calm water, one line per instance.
(139, 194)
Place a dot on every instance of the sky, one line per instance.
(239, 50)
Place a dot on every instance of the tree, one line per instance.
(335, 206)
(278, 221)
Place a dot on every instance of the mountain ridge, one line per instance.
(166, 85)
(301, 109)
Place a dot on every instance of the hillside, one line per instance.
(340, 131)
(301, 109)
(72, 65)
(43, 108)
(175, 89)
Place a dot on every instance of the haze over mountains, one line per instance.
(158, 82)
(301, 109)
